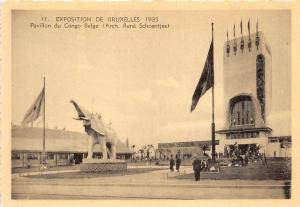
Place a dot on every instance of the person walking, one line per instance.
(197, 168)
(172, 163)
(264, 158)
(243, 158)
(178, 162)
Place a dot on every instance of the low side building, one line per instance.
(279, 146)
(185, 149)
(62, 147)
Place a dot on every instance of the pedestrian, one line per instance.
(178, 162)
(247, 157)
(197, 168)
(204, 165)
(172, 162)
(264, 158)
(243, 157)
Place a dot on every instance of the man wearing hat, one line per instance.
(172, 163)
(197, 168)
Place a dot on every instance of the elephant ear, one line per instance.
(98, 126)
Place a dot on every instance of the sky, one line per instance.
(140, 80)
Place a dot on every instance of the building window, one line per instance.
(247, 117)
(260, 83)
(241, 135)
(32, 156)
(16, 156)
(285, 145)
(63, 156)
(50, 156)
(242, 111)
(273, 140)
(233, 122)
(239, 117)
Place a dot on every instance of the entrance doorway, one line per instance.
(243, 148)
(78, 158)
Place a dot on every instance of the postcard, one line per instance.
(135, 105)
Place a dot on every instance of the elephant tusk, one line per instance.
(77, 118)
(81, 118)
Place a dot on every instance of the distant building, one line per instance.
(248, 98)
(184, 149)
(62, 147)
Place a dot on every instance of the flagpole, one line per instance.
(44, 118)
(213, 107)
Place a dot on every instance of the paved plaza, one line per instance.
(155, 182)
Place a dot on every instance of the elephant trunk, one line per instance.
(79, 111)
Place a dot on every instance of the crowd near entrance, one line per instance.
(247, 148)
(241, 154)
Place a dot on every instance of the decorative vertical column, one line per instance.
(257, 37)
(234, 44)
(242, 40)
(228, 46)
(249, 40)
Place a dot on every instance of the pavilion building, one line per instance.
(62, 147)
(247, 74)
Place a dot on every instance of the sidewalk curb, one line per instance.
(25, 174)
(195, 185)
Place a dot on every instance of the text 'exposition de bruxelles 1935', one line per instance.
(136, 22)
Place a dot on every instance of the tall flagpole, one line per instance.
(44, 118)
(213, 144)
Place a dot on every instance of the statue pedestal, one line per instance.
(214, 167)
(101, 165)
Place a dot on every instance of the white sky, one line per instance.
(141, 80)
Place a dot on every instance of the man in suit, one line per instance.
(197, 168)
(172, 163)
(177, 163)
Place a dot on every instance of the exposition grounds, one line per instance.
(149, 181)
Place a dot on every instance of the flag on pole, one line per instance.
(207, 78)
(35, 109)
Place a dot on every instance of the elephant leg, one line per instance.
(103, 148)
(91, 148)
(113, 153)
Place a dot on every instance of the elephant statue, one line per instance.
(100, 134)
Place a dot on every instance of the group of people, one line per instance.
(243, 159)
(176, 162)
(239, 156)
(198, 166)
